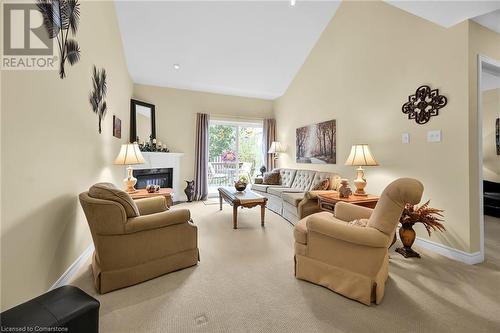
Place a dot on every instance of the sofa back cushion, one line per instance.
(303, 179)
(287, 176)
(320, 176)
(108, 191)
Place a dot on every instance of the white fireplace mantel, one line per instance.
(164, 160)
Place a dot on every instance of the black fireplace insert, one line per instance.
(161, 177)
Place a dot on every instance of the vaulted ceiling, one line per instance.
(446, 13)
(246, 48)
(238, 48)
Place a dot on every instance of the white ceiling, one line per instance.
(238, 48)
(490, 20)
(489, 81)
(490, 77)
(446, 13)
(247, 48)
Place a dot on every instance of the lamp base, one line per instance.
(360, 183)
(130, 181)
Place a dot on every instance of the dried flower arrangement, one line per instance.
(430, 217)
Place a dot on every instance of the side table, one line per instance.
(327, 201)
(142, 193)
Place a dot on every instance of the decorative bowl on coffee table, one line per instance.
(240, 186)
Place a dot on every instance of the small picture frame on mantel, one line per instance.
(117, 127)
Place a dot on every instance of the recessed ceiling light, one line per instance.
(177, 66)
(292, 3)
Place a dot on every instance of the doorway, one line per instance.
(234, 151)
(489, 157)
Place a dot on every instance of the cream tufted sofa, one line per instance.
(293, 198)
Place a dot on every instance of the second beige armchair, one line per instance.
(347, 258)
(136, 240)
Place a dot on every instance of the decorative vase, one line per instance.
(240, 186)
(407, 236)
(189, 190)
(344, 189)
(152, 188)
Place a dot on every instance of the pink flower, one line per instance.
(229, 156)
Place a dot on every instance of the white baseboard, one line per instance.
(459, 255)
(73, 268)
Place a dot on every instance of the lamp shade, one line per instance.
(129, 154)
(360, 156)
(276, 147)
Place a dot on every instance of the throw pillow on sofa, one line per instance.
(271, 178)
(322, 185)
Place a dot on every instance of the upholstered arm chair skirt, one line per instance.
(350, 259)
(137, 244)
(340, 263)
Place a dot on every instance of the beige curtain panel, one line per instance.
(269, 135)
(201, 157)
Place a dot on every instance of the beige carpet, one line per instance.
(245, 283)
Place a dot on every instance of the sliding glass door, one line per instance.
(234, 151)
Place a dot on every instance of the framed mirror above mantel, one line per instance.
(142, 121)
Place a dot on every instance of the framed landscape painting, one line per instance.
(317, 143)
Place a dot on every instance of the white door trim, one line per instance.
(481, 60)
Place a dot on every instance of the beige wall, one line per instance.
(482, 42)
(51, 151)
(491, 111)
(367, 62)
(176, 116)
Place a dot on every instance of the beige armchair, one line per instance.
(136, 240)
(347, 258)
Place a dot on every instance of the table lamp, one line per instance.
(276, 148)
(360, 156)
(129, 154)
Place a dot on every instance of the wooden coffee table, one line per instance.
(247, 199)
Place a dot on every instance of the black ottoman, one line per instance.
(65, 309)
(491, 198)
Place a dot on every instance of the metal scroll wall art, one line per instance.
(424, 104)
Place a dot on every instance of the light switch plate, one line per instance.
(405, 137)
(434, 136)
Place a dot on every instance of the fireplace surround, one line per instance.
(153, 168)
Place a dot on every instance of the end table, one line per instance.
(327, 201)
(142, 193)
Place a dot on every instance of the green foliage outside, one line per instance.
(250, 146)
(221, 138)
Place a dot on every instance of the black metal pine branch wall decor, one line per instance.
(98, 93)
(59, 18)
(424, 104)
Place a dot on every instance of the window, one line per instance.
(234, 151)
